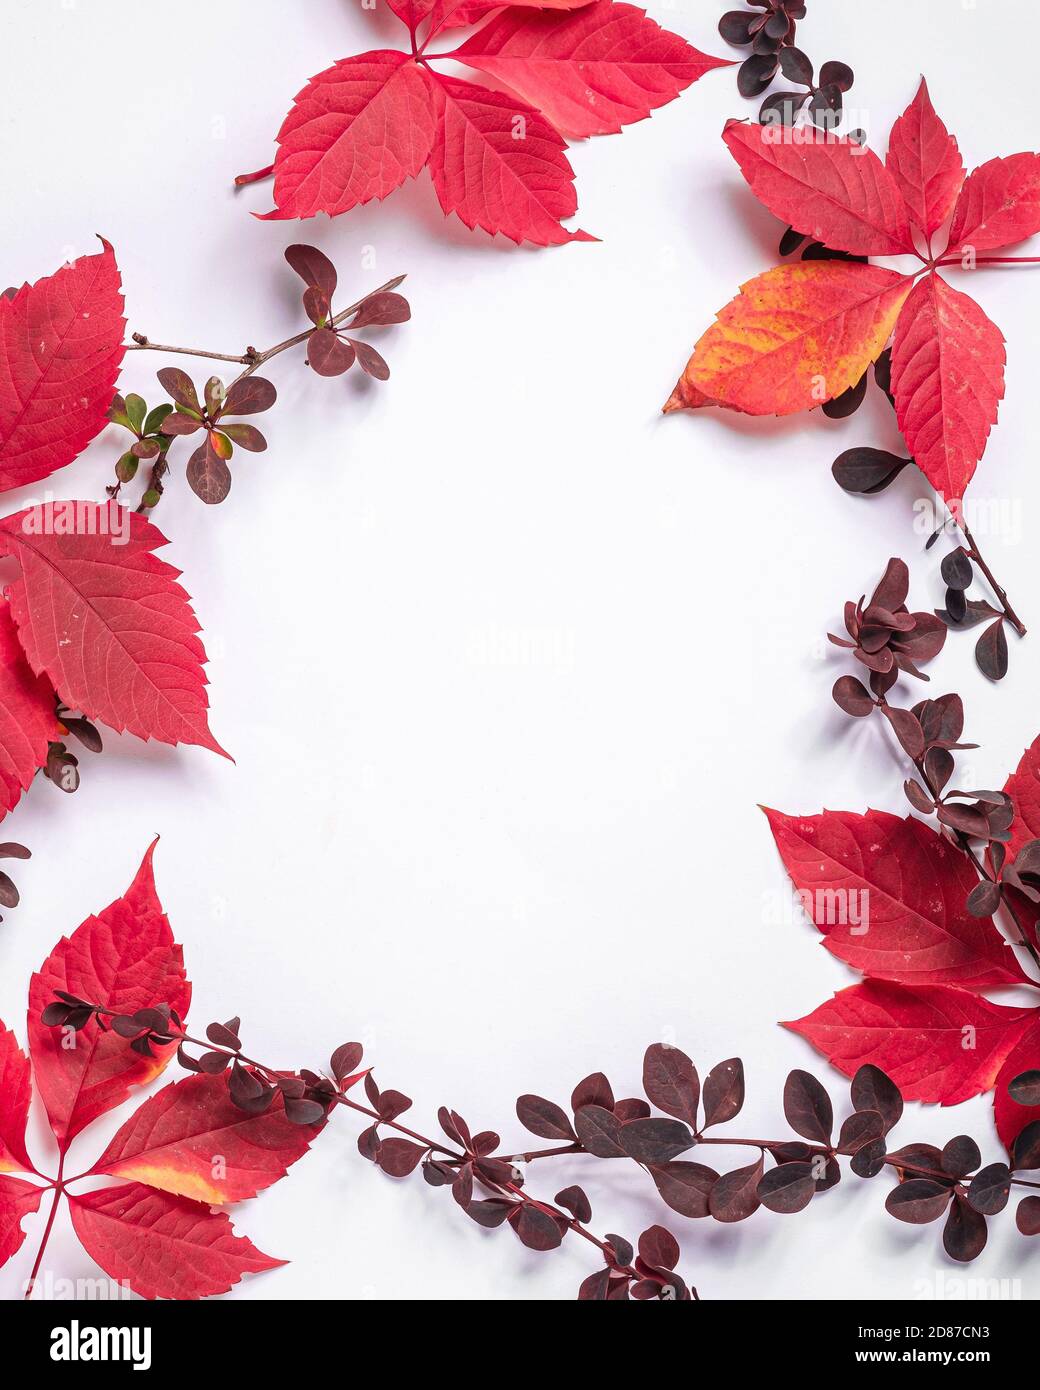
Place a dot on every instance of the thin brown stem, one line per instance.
(962, 842)
(58, 1190)
(454, 1156)
(974, 553)
(142, 344)
(251, 358)
(257, 359)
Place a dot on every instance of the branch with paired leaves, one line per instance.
(932, 1182)
(332, 349)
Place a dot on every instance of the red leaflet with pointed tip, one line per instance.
(355, 133)
(824, 185)
(15, 1093)
(460, 14)
(998, 205)
(888, 895)
(175, 1139)
(937, 1043)
(106, 620)
(124, 959)
(589, 72)
(925, 162)
(500, 166)
(163, 1246)
(61, 343)
(947, 379)
(17, 1201)
(27, 720)
(362, 127)
(796, 336)
(1012, 1118)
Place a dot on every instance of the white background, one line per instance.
(505, 658)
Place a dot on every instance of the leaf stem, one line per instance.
(976, 554)
(59, 1188)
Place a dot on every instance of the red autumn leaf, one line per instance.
(61, 344)
(589, 72)
(999, 204)
(192, 1140)
(359, 129)
(826, 186)
(458, 14)
(15, 1093)
(17, 1201)
(1012, 1118)
(889, 897)
(796, 336)
(947, 357)
(1023, 786)
(124, 959)
(107, 621)
(925, 162)
(494, 178)
(27, 719)
(163, 1246)
(355, 133)
(937, 1043)
(947, 379)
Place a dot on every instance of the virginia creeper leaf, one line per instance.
(191, 1140)
(1012, 1118)
(15, 1093)
(163, 1246)
(106, 620)
(457, 14)
(591, 71)
(826, 186)
(356, 132)
(947, 379)
(18, 1200)
(61, 345)
(889, 897)
(925, 162)
(500, 166)
(27, 720)
(796, 336)
(999, 204)
(937, 1043)
(1023, 786)
(124, 959)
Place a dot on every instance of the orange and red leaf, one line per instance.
(191, 1140)
(797, 336)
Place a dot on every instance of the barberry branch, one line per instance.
(251, 358)
(931, 1182)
